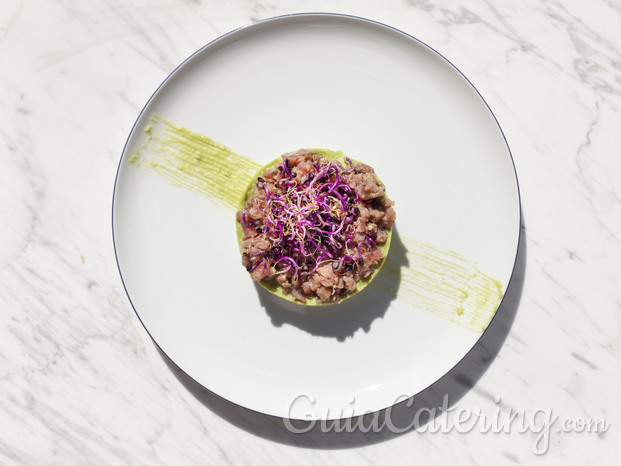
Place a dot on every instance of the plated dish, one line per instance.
(316, 80)
(314, 226)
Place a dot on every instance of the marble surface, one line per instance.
(82, 383)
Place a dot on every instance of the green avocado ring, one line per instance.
(270, 284)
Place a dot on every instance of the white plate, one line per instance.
(315, 80)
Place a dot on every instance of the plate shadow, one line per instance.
(396, 420)
(357, 312)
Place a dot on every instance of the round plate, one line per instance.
(315, 80)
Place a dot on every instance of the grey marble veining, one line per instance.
(82, 383)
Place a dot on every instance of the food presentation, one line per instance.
(315, 226)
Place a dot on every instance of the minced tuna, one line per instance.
(314, 225)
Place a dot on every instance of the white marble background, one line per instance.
(80, 380)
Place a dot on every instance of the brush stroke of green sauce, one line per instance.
(441, 282)
(193, 161)
(437, 281)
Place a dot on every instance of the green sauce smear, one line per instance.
(193, 161)
(437, 281)
(442, 282)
